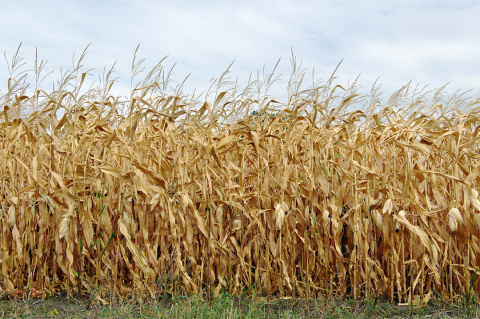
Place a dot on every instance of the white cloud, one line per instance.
(428, 42)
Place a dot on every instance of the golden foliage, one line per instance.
(305, 201)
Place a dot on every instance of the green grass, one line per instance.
(225, 306)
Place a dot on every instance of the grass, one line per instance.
(226, 306)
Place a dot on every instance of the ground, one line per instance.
(225, 306)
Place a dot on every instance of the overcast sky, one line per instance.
(428, 42)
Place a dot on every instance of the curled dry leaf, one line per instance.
(455, 214)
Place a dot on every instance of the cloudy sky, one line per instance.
(426, 42)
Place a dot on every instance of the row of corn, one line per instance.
(282, 204)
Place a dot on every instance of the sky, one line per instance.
(426, 42)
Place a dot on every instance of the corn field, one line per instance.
(303, 199)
